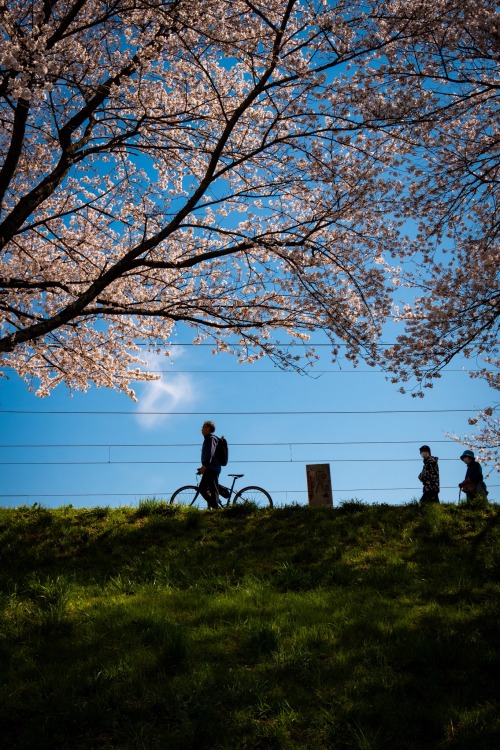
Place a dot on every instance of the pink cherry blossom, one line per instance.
(255, 170)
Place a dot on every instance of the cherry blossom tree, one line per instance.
(247, 168)
(198, 161)
(448, 88)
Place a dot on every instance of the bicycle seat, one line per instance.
(236, 475)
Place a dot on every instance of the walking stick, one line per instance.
(459, 494)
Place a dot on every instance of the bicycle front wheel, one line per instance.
(188, 495)
(255, 495)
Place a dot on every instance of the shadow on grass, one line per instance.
(365, 667)
(344, 628)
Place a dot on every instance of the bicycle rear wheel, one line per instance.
(255, 495)
(188, 495)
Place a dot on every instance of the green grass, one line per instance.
(362, 626)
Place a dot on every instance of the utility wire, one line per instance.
(236, 413)
(111, 462)
(168, 493)
(278, 371)
(275, 344)
(196, 445)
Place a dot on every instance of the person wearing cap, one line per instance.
(473, 484)
(429, 476)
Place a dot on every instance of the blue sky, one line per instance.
(119, 458)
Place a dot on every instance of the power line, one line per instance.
(235, 413)
(269, 345)
(280, 345)
(168, 493)
(196, 445)
(312, 372)
(113, 462)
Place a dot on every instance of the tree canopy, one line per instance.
(247, 168)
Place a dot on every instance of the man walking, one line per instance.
(429, 476)
(210, 466)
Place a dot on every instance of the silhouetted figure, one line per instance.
(473, 484)
(429, 476)
(210, 467)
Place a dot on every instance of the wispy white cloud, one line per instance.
(164, 395)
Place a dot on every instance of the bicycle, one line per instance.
(190, 495)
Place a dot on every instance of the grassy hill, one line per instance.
(359, 627)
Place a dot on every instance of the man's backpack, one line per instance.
(222, 451)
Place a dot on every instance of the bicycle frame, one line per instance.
(189, 494)
(231, 489)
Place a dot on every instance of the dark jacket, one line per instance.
(208, 458)
(429, 476)
(473, 484)
(474, 473)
